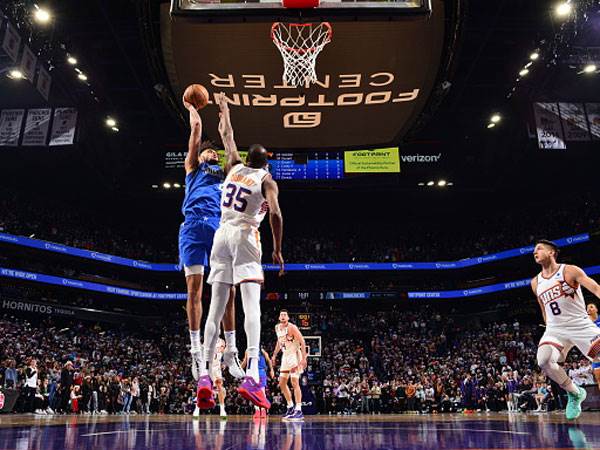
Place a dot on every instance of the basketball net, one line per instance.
(300, 45)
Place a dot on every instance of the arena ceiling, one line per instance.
(119, 46)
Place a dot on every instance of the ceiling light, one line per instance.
(421, 184)
(82, 77)
(491, 125)
(115, 129)
(111, 122)
(71, 60)
(167, 185)
(442, 183)
(523, 72)
(430, 183)
(155, 186)
(176, 185)
(534, 56)
(590, 68)
(450, 183)
(496, 118)
(41, 15)
(15, 74)
(563, 9)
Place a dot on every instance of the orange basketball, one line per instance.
(197, 95)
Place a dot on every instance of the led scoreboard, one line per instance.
(307, 166)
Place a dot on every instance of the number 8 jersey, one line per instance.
(242, 200)
(562, 302)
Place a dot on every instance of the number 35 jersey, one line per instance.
(563, 303)
(242, 200)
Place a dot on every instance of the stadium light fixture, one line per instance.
(491, 125)
(155, 186)
(15, 74)
(534, 56)
(41, 15)
(167, 185)
(441, 183)
(115, 129)
(430, 183)
(523, 72)
(421, 183)
(82, 76)
(110, 122)
(496, 118)
(450, 184)
(590, 68)
(176, 185)
(72, 60)
(563, 9)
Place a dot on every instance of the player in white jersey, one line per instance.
(216, 374)
(293, 362)
(249, 192)
(558, 290)
(592, 310)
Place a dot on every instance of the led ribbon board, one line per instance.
(398, 266)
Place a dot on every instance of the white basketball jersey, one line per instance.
(562, 302)
(286, 341)
(242, 200)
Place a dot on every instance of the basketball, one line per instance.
(197, 95)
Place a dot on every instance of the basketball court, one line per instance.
(483, 431)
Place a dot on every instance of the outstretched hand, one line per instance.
(224, 119)
(278, 259)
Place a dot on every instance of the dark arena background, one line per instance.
(439, 142)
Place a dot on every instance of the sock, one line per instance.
(251, 304)
(256, 408)
(230, 340)
(298, 406)
(195, 341)
(290, 405)
(218, 301)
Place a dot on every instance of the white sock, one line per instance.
(298, 406)
(251, 305)
(230, 341)
(195, 341)
(290, 405)
(218, 302)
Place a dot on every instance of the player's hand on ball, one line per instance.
(278, 259)
(187, 104)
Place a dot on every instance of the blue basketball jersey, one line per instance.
(262, 365)
(203, 193)
(597, 322)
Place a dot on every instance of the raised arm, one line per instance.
(191, 160)
(232, 157)
(534, 283)
(271, 192)
(580, 277)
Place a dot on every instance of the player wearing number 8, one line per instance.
(558, 290)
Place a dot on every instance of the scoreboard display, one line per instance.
(303, 321)
(307, 166)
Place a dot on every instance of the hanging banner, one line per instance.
(36, 127)
(10, 126)
(28, 62)
(43, 82)
(11, 42)
(593, 116)
(549, 130)
(63, 126)
(574, 122)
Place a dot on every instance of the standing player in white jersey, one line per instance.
(558, 290)
(249, 192)
(592, 310)
(293, 363)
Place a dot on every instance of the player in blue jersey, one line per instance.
(202, 211)
(264, 367)
(592, 310)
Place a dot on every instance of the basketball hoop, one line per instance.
(300, 45)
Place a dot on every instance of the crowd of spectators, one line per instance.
(324, 241)
(376, 362)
